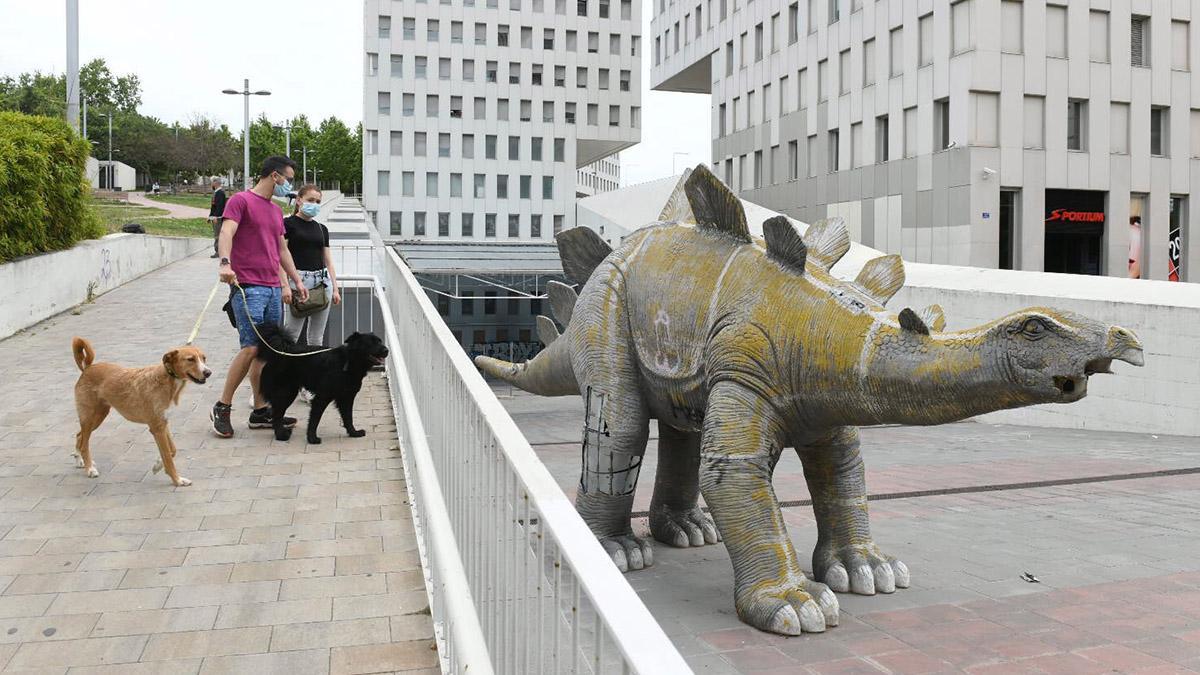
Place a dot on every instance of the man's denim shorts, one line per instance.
(266, 306)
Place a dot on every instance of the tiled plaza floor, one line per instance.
(280, 558)
(1118, 560)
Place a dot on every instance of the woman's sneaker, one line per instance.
(260, 418)
(220, 420)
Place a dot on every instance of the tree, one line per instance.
(338, 152)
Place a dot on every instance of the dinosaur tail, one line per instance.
(84, 354)
(547, 374)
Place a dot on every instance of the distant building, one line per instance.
(598, 177)
(476, 117)
(105, 175)
(993, 133)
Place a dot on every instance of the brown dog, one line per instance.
(141, 395)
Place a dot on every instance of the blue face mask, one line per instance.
(283, 190)
(310, 209)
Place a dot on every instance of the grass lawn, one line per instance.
(113, 214)
(198, 201)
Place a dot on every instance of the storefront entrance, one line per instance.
(1074, 231)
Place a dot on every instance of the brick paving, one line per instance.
(1119, 561)
(281, 557)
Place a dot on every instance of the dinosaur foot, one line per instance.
(628, 552)
(681, 529)
(863, 570)
(790, 609)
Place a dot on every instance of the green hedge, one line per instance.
(44, 191)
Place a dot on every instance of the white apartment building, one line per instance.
(478, 113)
(992, 133)
(599, 177)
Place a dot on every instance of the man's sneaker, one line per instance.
(220, 419)
(261, 419)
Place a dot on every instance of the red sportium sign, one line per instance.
(1068, 215)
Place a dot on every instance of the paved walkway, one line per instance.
(281, 557)
(173, 210)
(1118, 560)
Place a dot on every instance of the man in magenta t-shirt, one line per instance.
(254, 256)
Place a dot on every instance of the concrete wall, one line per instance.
(41, 286)
(1163, 397)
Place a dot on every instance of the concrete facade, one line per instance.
(914, 119)
(599, 177)
(476, 116)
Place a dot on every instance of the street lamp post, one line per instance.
(245, 93)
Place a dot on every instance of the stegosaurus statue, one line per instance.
(741, 347)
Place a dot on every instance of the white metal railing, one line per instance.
(516, 580)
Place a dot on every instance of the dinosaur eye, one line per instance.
(1034, 329)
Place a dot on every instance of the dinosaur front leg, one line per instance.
(740, 446)
(846, 557)
(675, 515)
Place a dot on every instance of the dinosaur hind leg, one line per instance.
(675, 515)
(846, 557)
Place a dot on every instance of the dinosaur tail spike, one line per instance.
(562, 301)
(547, 374)
(547, 331)
(581, 251)
(827, 240)
(934, 317)
(677, 208)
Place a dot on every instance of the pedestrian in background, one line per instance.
(215, 210)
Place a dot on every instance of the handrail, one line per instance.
(469, 652)
(643, 645)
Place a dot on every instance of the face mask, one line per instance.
(283, 190)
(310, 209)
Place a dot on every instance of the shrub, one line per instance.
(44, 191)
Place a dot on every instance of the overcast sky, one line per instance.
(305, 52)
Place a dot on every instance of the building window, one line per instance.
(420, 67)
(408, 104)
(467, 225)
(1012, 27)
(395, 224)
(372, 64)
(468, 146)
(535, 226)
(910, 132)
(1056, 31)
(432, 32)
(558, 224)
(868, 63)
(419, 224)
(385, 103)
(525, 186)
(1076, 124)
(758, 169)
(834, 14)
(962, 21)
(456, 185)
(410, 29)
(560, 149)
(384, 181)
(419, 143)
(489, 146)
(985, 127)
(1099, 36)
(373, 142)
(385, 27)
(822, 80)
(396, 142)
(856, 145)
(1139, 41)
(514, 226)
(941, 123)
(431, 184)
(547, 187)
(881, 139)
(408, 183)
(896, 51)
(844, 72)
(443, 145)
(443, 224)
(468, 308)
(1118, 122)
(1180, 49)
(925, 40)
(1035, 122)
(489, 225)
(1160, 131)
(811, 156)
(793, 23)
(793, 160)
(758, 42)
(834, 142)
(456, 32)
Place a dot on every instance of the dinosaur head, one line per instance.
(1049, 354)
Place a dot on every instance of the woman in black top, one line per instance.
(308, 242)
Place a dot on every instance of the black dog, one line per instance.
(334, 377)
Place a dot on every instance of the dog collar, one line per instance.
(171, 372)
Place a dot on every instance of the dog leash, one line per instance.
(196, 328)
(254, 327)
